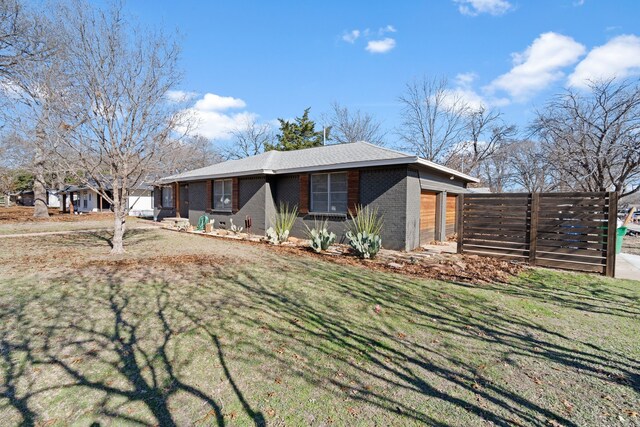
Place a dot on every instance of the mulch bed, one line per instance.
(25, 214)
(443, 266)
(447, 267)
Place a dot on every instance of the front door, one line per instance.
(184, 201)
(427, 217)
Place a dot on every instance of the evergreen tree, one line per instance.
(298, 134)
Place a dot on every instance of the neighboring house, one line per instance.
(83, 199)
(26, 198)
(416, 197)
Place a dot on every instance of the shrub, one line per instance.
(364, 231)
(320, 236)
(282, 223)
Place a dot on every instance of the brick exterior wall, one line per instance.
(251, 196)
(385, 188)
(413, 210)
(197, 201)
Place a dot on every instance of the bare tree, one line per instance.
(593, 138)
(486, 133)
(12, 158)
(248, 140)
(21, 38)
(191, 152)
(28, 74)
(353, 126)
(122, 121)
(530, 167)
(434, 119)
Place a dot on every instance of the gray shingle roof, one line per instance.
(339, 156)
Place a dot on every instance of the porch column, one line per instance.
(177, 199)
(441, 216)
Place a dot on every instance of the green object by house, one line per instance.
(621, 233)
(202, 221)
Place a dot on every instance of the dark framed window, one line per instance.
(167, 197)
(222, 194)
(329, 192)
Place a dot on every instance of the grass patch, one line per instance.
(185, 330)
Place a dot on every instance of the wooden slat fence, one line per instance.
(574, 231)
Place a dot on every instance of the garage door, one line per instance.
(427, 217)
(452, 200)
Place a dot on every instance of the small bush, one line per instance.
(364, 231)
(282, 223)
(320, 236)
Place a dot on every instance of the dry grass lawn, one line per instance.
(185, 330)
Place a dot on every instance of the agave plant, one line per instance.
(282, 223)
(320, 236)
(364, 231)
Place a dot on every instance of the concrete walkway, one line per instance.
(628, 266)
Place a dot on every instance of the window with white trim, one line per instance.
(329, 192)
(167, 197)
(222, 195)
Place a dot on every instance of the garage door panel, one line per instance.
(427, 217)
(451, 218)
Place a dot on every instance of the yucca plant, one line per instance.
(364, 231)
(282, 223)
(320, 236)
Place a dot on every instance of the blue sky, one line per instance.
(273, 59)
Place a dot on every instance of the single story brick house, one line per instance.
(416, 197)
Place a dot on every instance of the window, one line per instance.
(89, 196)
(167, 197)
(222, 195)
(329, 192)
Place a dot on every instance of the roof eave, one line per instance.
(446, 170)
(178, 178)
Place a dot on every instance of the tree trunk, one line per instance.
(118, 232)
(120, 217)
(7, 200)
(39, 184)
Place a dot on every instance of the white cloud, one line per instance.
(213, 121)
(351, 36)
(381, 46)
(387, 29)
(538, 66)
(464, 92)
(218, 126)
(213, 102)
(180, 95)
(476, 7)
(620, 57)
(373, 46)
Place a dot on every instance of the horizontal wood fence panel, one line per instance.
(574, 231)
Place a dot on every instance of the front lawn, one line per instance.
(186, 330)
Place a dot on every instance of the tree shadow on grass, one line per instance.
(125, 344)
(114, 343)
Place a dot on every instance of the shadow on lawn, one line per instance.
(132, 343)
(128, 342)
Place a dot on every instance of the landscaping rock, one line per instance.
(395, 265)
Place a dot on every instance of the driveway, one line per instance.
(628, 266)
